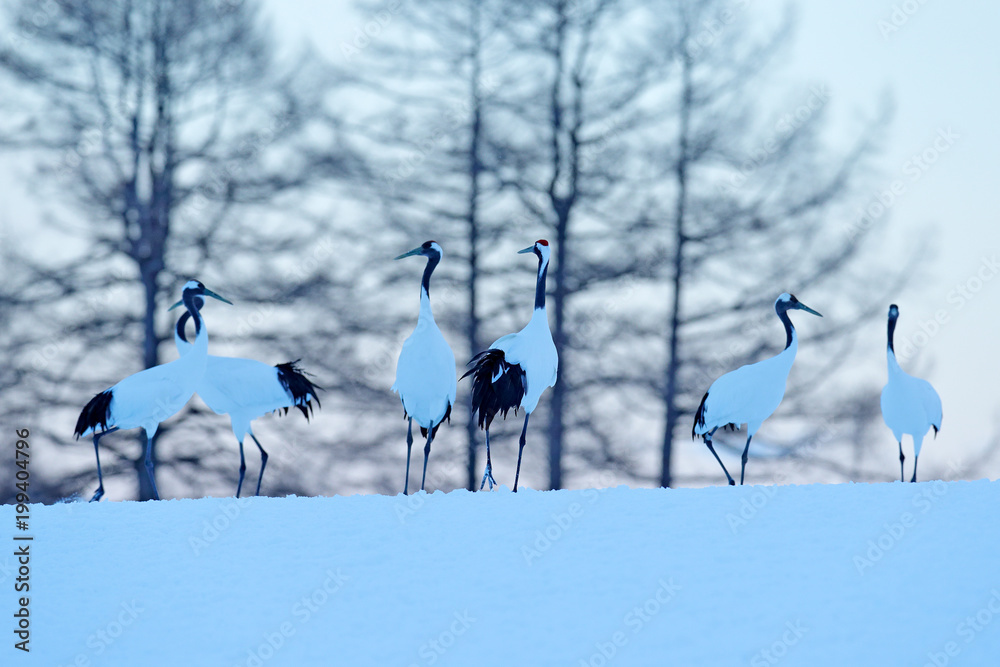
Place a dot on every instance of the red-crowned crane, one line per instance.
(751, 393)
(909, 405)
(426, 376)
(150, 396)
(516, 369)
(246, 389)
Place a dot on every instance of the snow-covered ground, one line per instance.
(886, 574)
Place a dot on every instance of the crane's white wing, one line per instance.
(152, 395)
(748, 395)
(534, 351)
(234, 385)
(426, 376)
(910, 405)
(931, 402)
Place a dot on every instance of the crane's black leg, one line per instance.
(746, 454)
(902, 475)
(916, 457)
(708, 441)
(263, 462)
(409, 446)
(149, 466)
(488, 475)
(243, 469)
(100, 478)
(427, 454)
(520, 449)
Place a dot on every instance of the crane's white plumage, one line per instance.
(246, 389)
(751, 393)
(152, 395)
(533, 350)
(426, 378)
(517, 368)
(910, 406)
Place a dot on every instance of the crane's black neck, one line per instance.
(543, 269)
(789, 329)
(432, 262)
(892, 332)
(186, 315)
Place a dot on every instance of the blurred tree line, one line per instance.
(682, 192)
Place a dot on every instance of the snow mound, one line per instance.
(884, 574)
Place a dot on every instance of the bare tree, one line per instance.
(434, 76)
(162, 122)
(579, 103)
(750, 203)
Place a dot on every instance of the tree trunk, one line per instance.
(556, 417)
(150, 358)
(562, 205)
(475, 169)
(673, 329)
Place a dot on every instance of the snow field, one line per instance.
(881, 574)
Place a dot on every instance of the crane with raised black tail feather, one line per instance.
(909, 405)
(751, 393)
(426, 376)
(150, 396)
(246, 389)
(516, 368)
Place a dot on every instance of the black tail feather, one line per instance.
(423, 431)
(699, 416)
(699, 419)
(293, 379)
(497, 386)
(96, 413)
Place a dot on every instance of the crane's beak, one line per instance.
(802, 306)
(415, 251)
(208, 292)
(526, 250)
(223, 299)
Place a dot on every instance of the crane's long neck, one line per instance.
(543, 269)
(890, 351)
(791, 338)
(193, 304)
(787, 356)
(180, 338)
(425, 288)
